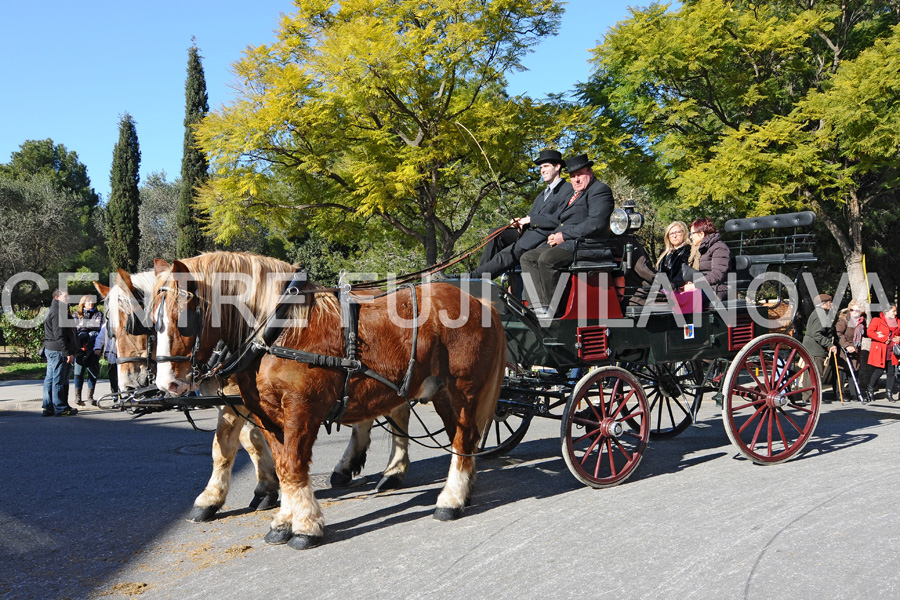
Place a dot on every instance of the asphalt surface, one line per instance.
(93, 506)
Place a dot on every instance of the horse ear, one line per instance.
(179, 267)
(160, 266)
(123, 280)
(101, 289)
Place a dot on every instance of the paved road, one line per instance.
(93, 506)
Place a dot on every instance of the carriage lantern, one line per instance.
(626, 219)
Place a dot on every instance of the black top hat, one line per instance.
(578, 162)
(548, 156)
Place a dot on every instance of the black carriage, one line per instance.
(616, 375)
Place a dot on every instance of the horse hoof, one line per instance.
(282, 535)
(392, 482)
(264, 501)
(340, 480)
(201, 514)
(447, 513)
(301, 541)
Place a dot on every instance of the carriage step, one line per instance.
(701, 425)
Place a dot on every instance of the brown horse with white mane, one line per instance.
(233, 427)
(459, 362)
(124, 305)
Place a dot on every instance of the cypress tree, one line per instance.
(123, 231)
(194, 166)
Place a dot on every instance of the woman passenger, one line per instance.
(712, 260)
(677, 250)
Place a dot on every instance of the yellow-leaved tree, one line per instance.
(355, 121)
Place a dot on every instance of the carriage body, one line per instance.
(616, 375)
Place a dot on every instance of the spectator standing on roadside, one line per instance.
(819, 341)
(850, 330)
(87, 364)
(59, 348)
(884, 332)
(104, 346)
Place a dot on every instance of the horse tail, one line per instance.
(490, 393)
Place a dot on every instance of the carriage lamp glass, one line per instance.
(626, 219)
(618, 221)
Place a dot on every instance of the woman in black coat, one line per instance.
(87, 364)
(677, 250)
(712, 259)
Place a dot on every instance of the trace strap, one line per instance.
(350, 363)
(223, 364)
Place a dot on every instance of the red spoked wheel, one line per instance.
(772, 396)
(605, 427)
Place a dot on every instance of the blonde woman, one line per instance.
(677, 250)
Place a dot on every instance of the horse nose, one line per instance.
(176, 387)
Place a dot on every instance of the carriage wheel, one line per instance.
(764, 411)
(506, 429)
(599, 447)
(672, 390)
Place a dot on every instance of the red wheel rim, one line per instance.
(601, 445)
(766, 413)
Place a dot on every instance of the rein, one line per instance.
(408, 278)
(223, 363)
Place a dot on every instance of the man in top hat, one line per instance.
(584, 217)
(503, 252)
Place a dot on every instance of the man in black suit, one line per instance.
(504, 251)
(584, 217)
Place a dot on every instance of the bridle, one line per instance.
(193, 328)
(135, 328)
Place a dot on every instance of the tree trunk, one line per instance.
(431, 248)
(849, 242)
(858, 288)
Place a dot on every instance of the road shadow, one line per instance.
(82, 495)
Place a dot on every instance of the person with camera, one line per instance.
(88, 322)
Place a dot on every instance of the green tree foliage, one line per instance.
(157, 217)
(50, 222)
(40, 226)
(747, 106)
(59, 165)
(355, 118)
(194, 165)
(123, 233)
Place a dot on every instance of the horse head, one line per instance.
(126, 322)
(177, 319)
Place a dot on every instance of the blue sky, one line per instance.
(71, 69)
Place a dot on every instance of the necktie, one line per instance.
(546, 194)
(573, 198)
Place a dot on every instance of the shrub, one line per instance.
(27, 341)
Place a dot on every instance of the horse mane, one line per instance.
(127, 302)
(267, 277)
